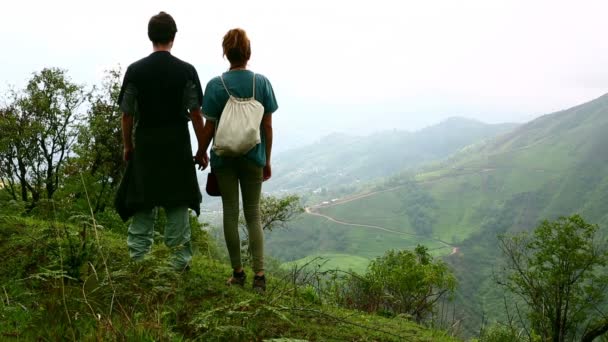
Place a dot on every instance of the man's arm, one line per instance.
(204, 133)
(127, 135)
(267, 125)
(128, 105)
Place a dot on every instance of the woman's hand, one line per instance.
(267, 172)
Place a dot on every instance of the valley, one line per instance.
(456, 206)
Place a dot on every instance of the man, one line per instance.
(159, 95)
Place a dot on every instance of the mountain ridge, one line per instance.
(340, 159)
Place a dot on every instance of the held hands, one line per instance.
(201, 159)
(267, 172)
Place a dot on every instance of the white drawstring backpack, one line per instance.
(238, 130)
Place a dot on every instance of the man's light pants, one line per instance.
(177, 235)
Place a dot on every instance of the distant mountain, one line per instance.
(554, 166)
(340, 159)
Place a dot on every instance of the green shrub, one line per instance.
(400, 282)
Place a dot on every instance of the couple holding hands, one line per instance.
(159, 95)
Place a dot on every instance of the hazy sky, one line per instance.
(352, 66)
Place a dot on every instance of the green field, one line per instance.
(345, 262)
(310, 235)
(383, 209)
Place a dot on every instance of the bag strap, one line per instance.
(224, 84)
(226, 88)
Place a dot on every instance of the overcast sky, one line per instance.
(352, 66)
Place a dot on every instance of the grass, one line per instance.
(146, 301)
(345, 262)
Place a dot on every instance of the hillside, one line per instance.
(553, 166)
(341, 159)
(75, 282)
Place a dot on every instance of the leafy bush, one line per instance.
(501, 333)
(400, 282)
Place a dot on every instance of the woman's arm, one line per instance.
(267, 125)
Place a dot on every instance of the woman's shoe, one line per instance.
(237, 279)
(259, 283)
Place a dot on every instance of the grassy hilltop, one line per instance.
(74, 282)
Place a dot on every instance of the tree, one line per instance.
(98, 152)
(7, 152)
(18, 152)
(40, 132)
(558, 271)
(401, 282)
(419, 206)
(275, 213)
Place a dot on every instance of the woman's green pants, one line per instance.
(235, 172)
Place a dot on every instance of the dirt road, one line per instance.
(310, 211)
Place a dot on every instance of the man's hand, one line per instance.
(204, 133)
(267, 172)
(202, 159)
(127, 153)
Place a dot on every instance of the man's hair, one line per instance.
(162, 28)
(236, 46)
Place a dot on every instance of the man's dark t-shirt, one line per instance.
(159, 90)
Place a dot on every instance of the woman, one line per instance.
(249, 170)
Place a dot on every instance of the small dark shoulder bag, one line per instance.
(212, 188)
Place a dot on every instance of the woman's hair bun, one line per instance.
(237, 47)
